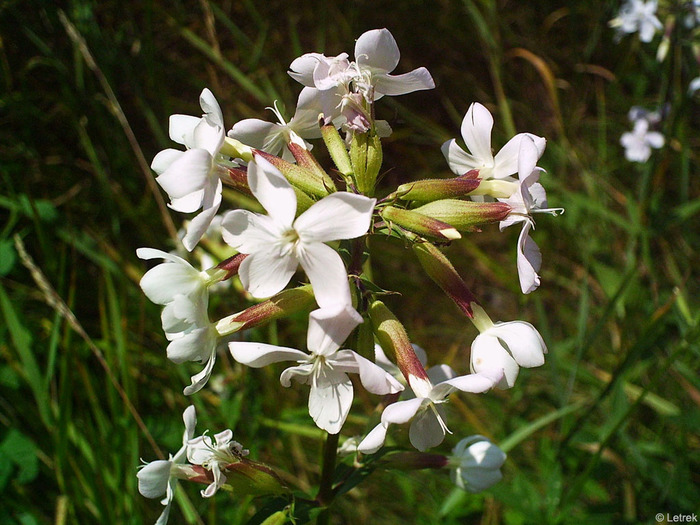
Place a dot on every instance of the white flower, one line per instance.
(325, 368)
(476, 464)
(175, 277)
(507, 347)
(637, 15)
(694, 84)
(640, 140)
(215, 456)
(376, 55)
(530, 198)
(476, 132)
(159, 477)
(272, 137)
(192, 178)
(278, 243)
(428, 427)
(192, 337)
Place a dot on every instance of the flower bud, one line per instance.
(476, 464)
(285, 303)
(336, 147)
(428, 190)
(366, 156)
(306, 160)
(251, 477)
(231, 265)
(393, 338)
(465, 216)
(440, 269)
(303, 178)
(420, 224)
(238, 180)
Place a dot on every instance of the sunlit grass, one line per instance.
(606, 432)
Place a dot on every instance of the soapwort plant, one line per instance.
(314, 222)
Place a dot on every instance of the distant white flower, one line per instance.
(638, 16)
(215, 456)
(278, 243)
(272, 137)
(476, 132)
(428, 426)
(325, 368)
(192, 177)
(506, 346)
(476, 464)
(159, 477)
(640, 140)
(530, 198)
(694, 86)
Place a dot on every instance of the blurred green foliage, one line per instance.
(606, 432)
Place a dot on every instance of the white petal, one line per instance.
(373, 377)
(258, 355)
(326, 271)
(163, 160)
(211, 108)
(265, 272)
(163, 282)
(272, 190)
(524, 342)
(529, 261)
(476, 132)
(301, 373)
(401, 411)
(330, 400)
(506, 160)
(528, 156)
(426, 431)
(302, 68)
(655, 139)
(330, 327)
(187, 174)
(460, 161)
(341, 215)
(416, 80)
(473, 383)
(200, 379)
(488, 354)
(378, 50)
(374, 440)
(181, 129)
(208, 137)
(153, 478)
(256, 133)
(189, 416)
(193, 346)
(199, 224)
(439, 373)
(249, 232)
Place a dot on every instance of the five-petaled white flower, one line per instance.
(325, 368)
(192, 177)
(428, 427)
(215, 456)
(273, 137)
(376, 55)
(637, 15)
(528, 199)
(278, 243)
(640, 140)
(159, 477)
(506, 346)
(476, 132)
(476, 464)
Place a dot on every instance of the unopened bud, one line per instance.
(440, 269)
(285, 303)
(465, 216)
(238, 180)
(394, 340)
(253, 478)
(303, 178)
(336, 147)
(420, 224)
(231, 265)
(306, 160)
(429, 190)
(366, 155)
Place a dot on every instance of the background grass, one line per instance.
(605, 432)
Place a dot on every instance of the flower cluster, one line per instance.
(316, 222)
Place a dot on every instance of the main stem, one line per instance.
(325, 490)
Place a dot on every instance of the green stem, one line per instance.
(325, 490)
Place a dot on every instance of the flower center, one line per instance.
(289, 241)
